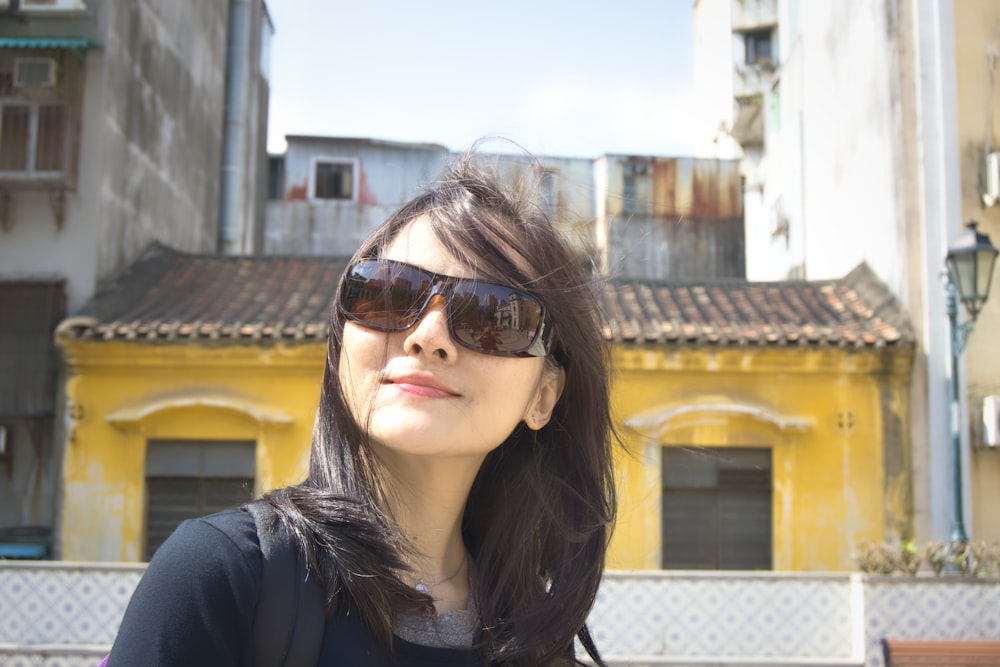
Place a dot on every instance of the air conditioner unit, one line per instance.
(53, 6)
(991, 421)
(992, 194)
(35, 72)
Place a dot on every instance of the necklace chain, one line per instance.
(423, 586)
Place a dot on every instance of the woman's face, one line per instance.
(423, 394)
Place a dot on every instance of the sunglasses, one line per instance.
(386, 295)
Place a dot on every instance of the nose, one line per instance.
(430, 334)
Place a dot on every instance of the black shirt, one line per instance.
(195, 606)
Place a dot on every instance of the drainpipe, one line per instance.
(233, 232)
(940, 222)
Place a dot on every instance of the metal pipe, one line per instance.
(958, 533)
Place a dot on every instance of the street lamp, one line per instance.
(970, 263)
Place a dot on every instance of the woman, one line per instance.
(460, 495)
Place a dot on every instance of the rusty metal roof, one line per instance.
(173, 296)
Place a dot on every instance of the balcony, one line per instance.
(748, 15)
(752, 80)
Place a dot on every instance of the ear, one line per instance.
(550, 387)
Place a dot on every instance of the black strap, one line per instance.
(289, 621)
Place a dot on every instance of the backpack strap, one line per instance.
(290, 617)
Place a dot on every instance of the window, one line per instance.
(275, 177)
(34, 121)
(333, 179)
(758, 47)
(716, 508)
(634, 178)
(190, 478)
(29, 313)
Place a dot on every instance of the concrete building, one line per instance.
(864, 131)
(124, 122)
(634, 216)
(325, 194)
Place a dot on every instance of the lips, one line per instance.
(421, 384)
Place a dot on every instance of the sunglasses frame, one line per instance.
(443, 285)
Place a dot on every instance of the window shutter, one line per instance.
(186, 479)
(716, 508)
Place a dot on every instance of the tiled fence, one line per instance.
(66, 614)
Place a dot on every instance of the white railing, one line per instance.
(60, 613)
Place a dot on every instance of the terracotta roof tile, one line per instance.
(173, 296)
(857, 311)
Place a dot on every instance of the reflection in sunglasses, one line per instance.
(392, 296)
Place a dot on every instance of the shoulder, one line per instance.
(228, 537)
(209, 558)
(194, 605)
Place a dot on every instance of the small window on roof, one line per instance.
(333, 180)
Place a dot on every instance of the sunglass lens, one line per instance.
(494, 318)
(384, 296)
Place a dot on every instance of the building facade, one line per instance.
(631, 216)
(764, 423)
(865, 132)
(112, 136)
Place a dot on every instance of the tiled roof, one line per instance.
(173, 296)
(855, 311)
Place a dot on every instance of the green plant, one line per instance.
(909, 557)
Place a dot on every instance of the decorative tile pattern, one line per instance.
(741, 615)
(56, 614)
(75, 607)
(931, 609)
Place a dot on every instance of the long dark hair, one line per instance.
(539, 514)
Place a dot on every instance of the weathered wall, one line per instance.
(150, 141)
(828, 414)
(35, 242)
(677, 218)
(162, 127)
(122, 394)
(387, 176)
(840, 472)
(573, 201)
(977, 31)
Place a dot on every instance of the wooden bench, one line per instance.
(941, 653)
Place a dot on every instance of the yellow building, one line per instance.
(766, 423)
(191, 385)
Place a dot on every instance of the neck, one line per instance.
(428, 501)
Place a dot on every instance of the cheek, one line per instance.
(362, 357)
(510, 394)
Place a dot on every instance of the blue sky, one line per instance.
(561, 77)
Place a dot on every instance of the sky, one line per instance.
(571, 78)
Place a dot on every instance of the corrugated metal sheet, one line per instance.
(697, 188)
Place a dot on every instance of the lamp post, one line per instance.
(970, 263)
